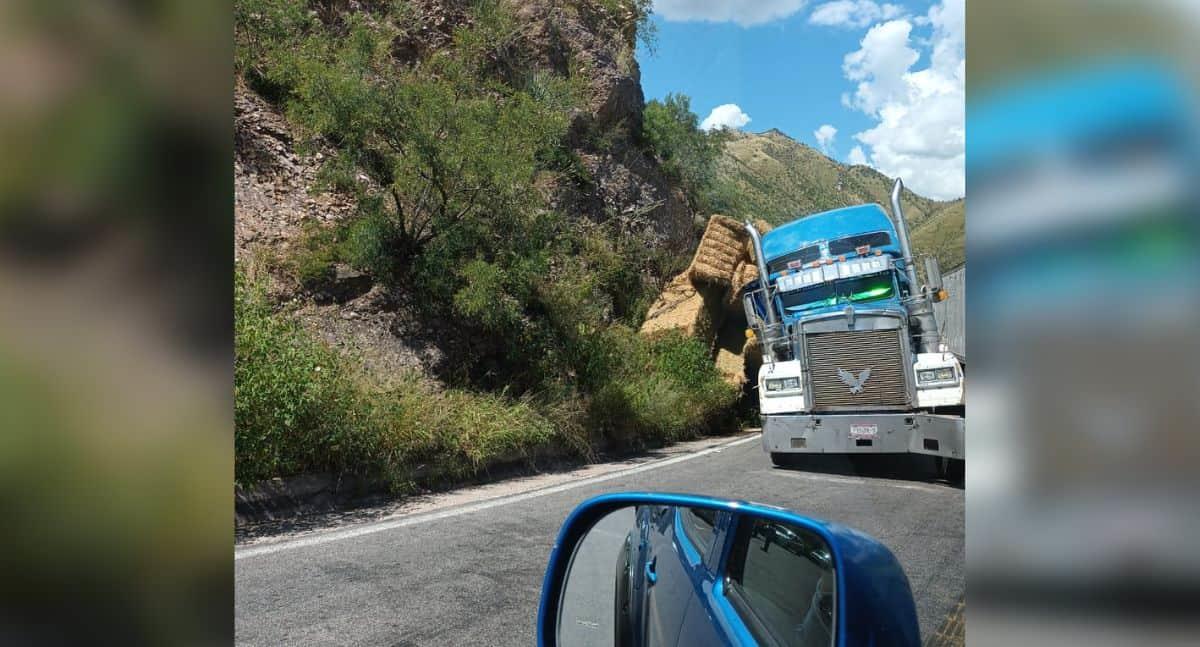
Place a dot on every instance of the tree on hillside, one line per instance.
(671, 131)
(449, 151)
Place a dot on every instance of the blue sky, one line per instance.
(867, 69)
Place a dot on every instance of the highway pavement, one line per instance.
(465, 568)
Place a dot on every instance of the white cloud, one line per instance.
(825, 136)
(920, 132)
(853, 14)
(856, 156)
(746, 14)
(880, 66)
(727, 115)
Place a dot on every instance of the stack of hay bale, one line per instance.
(704, 301)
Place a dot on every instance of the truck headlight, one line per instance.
(784, 384)
(936, 375)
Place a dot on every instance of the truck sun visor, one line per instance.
(841, 270)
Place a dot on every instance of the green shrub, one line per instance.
(670, 130)
(660, 390)
(299, 407)
(312, 258)
(296, 407)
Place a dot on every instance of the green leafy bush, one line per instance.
(660, 390)
(296, 408)
(671, 131)
(311, 260)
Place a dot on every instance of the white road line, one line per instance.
(850, 480)
(410, 520)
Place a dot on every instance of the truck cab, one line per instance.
(852, 360)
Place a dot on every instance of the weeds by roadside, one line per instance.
(302, 407)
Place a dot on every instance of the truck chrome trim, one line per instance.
(898, 433)
(902, 229)
(863, 320)
(764, 277)
(922, 310)
(880, 354)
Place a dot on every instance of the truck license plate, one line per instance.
(863, 431)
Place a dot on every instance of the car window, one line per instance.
(699, 526)
(780, 581)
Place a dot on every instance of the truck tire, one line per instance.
(956, 470)
(952, 469)
(781, 459)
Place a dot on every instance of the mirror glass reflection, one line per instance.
(666, 575)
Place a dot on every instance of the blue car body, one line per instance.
(680, 602)
(678, 589)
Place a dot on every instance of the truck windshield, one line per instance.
(856, 290)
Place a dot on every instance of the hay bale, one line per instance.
(727, 224)
(683, 307)
(752, 357)
(675, 307)
(725, 241)
(721, 249)
(705, 296)
(731, 367)
(742, 275)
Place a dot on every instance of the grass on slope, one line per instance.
(774, 177)
(301, 407)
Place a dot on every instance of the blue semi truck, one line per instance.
(852, 359)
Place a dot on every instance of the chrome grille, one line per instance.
(854, 352)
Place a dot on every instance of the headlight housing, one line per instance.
(783, 384)
(937, 376)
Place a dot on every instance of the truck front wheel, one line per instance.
(953, 469)
(781, 459)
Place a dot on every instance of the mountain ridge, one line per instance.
(772, 176)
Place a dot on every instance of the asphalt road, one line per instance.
(586, 619)
(469, 572)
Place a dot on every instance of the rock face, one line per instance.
(271, 199)
(624, 183)
(274, 185)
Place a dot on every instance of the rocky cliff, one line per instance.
(279, 198)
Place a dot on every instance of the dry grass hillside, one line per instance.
(774, 177)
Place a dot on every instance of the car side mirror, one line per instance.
(649, 568)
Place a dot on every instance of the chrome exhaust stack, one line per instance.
(922, 305)
(902, 228)
(773, 328)
(763, 276)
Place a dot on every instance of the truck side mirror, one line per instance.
(933, 279)
(752, 319)
(626, 565)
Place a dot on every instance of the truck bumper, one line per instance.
(883, 433)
